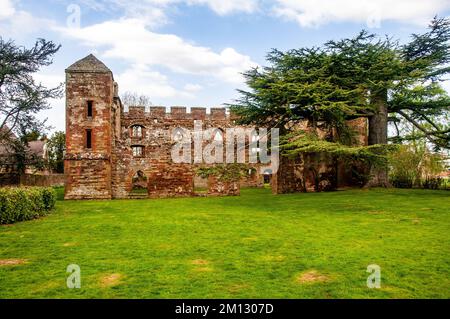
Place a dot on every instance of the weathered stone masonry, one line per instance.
(109, 169)
(110, 152)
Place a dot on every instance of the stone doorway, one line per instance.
(139, 185)
(268, 178)
(200, 186)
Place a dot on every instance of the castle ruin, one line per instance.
(112, 152)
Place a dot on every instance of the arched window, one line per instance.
(136, 131)
(139, 176)
(139, 183)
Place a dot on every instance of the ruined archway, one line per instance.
(139, 184)
(267, 177)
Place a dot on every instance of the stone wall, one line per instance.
(171, 181)
(222, 188)
(88, 178)
(318, 171)
(165, 178)
(7, 179)
(51, 180)
(88, 170)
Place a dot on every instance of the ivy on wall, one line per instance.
(224, 172)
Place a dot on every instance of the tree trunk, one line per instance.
(378, 134)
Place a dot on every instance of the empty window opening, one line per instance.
(89, 139)
(139, 183)
(200, 186)
(137, 131)
(90, 109)
(138, 151)
(267, 178)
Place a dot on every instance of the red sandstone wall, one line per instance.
(222, 188)
(88, 170)
(297, 175)
(165, 179)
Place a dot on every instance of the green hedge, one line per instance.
(25, 203)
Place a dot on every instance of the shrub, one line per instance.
(412, 163)
(402, 180)
(25, 203)
(49, 198)
(433, 183)
(224, 173)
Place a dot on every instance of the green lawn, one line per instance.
(257, 245)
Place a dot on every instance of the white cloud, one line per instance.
(140, 79)
(49, 80)
(129, 40)
(223, 7)
(193, 87)
(6, 9)
(319, 12)
(18, 23)
(149, 12)
(154, 12)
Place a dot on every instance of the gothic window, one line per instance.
(138, 151)
(136, 131)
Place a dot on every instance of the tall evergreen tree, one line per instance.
(360, 77)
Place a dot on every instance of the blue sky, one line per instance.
(191, 52)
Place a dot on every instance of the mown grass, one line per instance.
(257, 245)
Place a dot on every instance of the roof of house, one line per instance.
(89, 64)
(34, 147)
(37, 148)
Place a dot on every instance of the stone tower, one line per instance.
(90, 122)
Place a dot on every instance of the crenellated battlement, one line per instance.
(178, 112)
